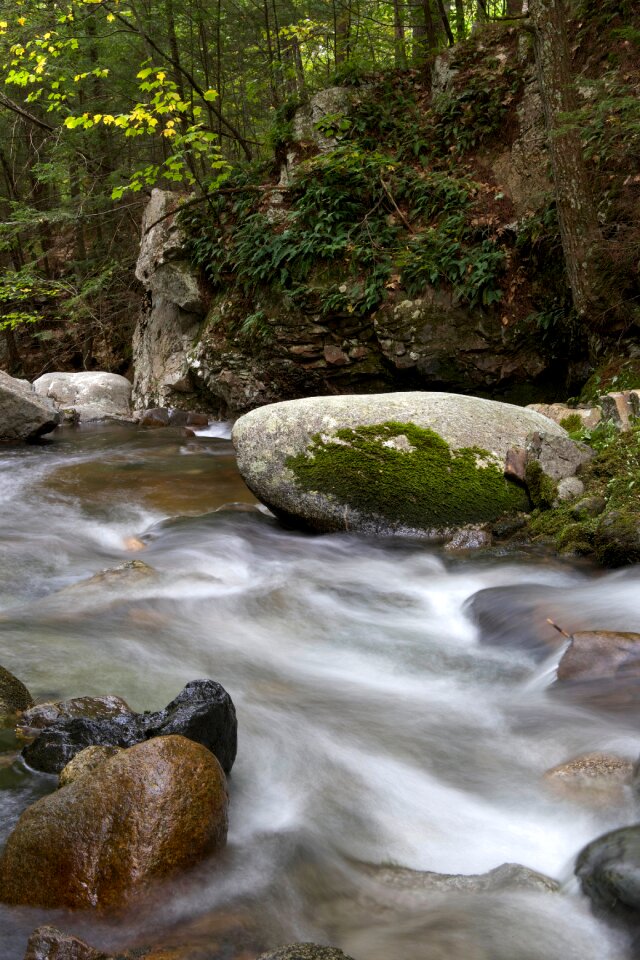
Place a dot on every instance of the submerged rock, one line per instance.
(401, 462)
(49, 943)
(14, 696)
(142, 816)
(23, 414)
(602, 668)
(508, 876)
(593, 778)
(203, 712)
(609, 872)
(304, 951)
(88, 395)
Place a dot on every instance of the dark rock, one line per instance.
(202, 712)
(142, 816)
(609, 872)
(503, 529)
(44, 715)
(516, 617)
(14, 696)
(617, 538)
(49, 943)
(304, 951)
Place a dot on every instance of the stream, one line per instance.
(376, 729)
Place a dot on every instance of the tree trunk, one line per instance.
(577, 215)
(399, 49)
(460, 24)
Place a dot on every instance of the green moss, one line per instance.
(542, 489)
(572, 423)
(416, 481)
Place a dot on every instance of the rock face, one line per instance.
(424, 462)
(609, 871)
(14, 695)
(23, 414)
(173, 310)
(142, 816)
(86, 396)
(203, 712)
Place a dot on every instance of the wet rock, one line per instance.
(49, 943)
(203, 712)
(468, 538)
(595, 780)
(423, 462)
(170, 417)
(23, 414)
(88, 395)
(517, 617)
(609, 872)
(142, 816)
(304, 951)
(14, 696)
(86, 762)
(617, 538)
(128, 574)
(600, 654)
(43, 715)
(504, 529)
(601, 668)
(508, 876)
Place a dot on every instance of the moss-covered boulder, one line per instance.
(400, 462)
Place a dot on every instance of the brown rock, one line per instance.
(600, 655)
(594, 779)
(516, 463)
(617, 407)
(145, 814)
(86, 762)
(49, 943)
(335, 356)
(14, 696)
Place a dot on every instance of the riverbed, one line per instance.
(377, 727)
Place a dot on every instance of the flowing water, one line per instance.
(376, 729)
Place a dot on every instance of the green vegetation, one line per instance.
(407, 475)
(605, 522)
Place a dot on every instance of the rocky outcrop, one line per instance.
(14, 696)
(140, 817)
(425, 462)
(203, 712)
(88, 395)
(173, 310)
(24, 415)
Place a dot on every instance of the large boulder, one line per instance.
(43, 715)
(203, 711)
(142, 816)
(24, 415)
(88, 395)
(609, 871)
(396, 462)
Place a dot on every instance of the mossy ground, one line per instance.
(605, 523)
(427, 487)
